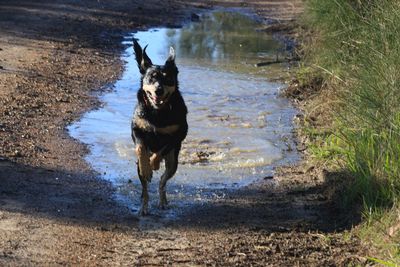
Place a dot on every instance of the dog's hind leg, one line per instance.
(171, 164)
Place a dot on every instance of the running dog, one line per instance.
(159, 122)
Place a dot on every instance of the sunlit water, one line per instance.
(238, 126)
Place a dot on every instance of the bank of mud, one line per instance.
(55, 57)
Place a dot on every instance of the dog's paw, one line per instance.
(155, 160)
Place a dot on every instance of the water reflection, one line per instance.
(222, 36)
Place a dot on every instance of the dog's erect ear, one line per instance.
(142, 58)
(171, 57)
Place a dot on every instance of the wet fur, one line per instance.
(158, 126)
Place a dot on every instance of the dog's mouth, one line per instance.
(158, 101)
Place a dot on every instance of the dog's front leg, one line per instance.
(145, 173)
(143, 156)
(144, 210)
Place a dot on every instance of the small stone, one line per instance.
(17, 154)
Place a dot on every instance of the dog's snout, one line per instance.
(159, 91)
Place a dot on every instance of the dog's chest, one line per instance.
(161, 118)
(168, 117)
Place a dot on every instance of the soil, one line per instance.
(55, 56)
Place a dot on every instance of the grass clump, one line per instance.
(358, 52)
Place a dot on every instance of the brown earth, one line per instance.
(54, 55)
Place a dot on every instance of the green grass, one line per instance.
(381, 230)
(357, 50)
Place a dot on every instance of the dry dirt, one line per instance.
(54, 55)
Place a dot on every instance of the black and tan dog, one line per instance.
(159, 122)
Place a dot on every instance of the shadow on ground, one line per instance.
(62, 196)
(80, 198)
(288, 206)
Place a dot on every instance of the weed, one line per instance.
(358, 53)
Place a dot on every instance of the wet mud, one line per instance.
(54, 209)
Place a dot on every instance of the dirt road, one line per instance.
(54, 210)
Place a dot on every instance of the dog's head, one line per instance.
(159, 82)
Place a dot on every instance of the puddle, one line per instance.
(238, 126)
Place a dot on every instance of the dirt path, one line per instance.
(53, 209)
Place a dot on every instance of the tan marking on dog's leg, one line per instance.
(155, 160)
(168, 130)
(144, 162)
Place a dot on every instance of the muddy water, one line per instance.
(239, 128)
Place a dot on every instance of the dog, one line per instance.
(159, 123)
